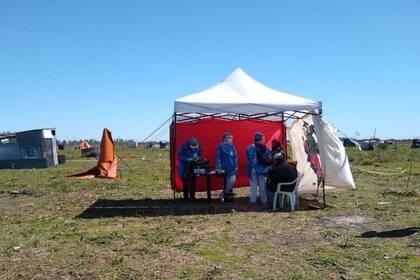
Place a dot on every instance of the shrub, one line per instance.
(382, 146)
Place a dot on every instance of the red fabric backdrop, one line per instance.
(209, 133)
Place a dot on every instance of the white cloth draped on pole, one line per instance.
(334, 161)
(305, 149)
(319, 154)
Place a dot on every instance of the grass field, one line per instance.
(52, 227)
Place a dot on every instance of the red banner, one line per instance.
(209, 133)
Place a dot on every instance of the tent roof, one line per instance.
(241, 94)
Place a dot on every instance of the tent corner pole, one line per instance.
(284, 136)
(323, 192)
(173, 151)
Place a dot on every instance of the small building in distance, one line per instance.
(132, 144)
(348, 142)
(415, 143)
(29, 149)
(163, 144)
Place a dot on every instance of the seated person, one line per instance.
(280, 172)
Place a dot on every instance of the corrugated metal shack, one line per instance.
(29, 149)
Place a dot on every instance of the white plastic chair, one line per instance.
(293, 197)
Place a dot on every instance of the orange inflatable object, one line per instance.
(107, 164)
(83, 145)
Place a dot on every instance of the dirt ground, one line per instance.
(53, 227)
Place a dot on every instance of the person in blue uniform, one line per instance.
(190, 151)
(258, 161)
(227, 160)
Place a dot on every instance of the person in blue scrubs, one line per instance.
(227, 160)
(258, 161)
(190, 151)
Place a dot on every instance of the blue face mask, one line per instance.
(228, 140)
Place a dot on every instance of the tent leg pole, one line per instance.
(173, 158)
(284, 136)
(174, 201)
(323, 192)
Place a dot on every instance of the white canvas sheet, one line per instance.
(304, 142)
(335, 164)
(315, 144)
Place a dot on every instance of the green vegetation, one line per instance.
(55, 227)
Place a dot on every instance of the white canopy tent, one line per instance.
(239, 97)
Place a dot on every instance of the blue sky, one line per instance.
(81, 66)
